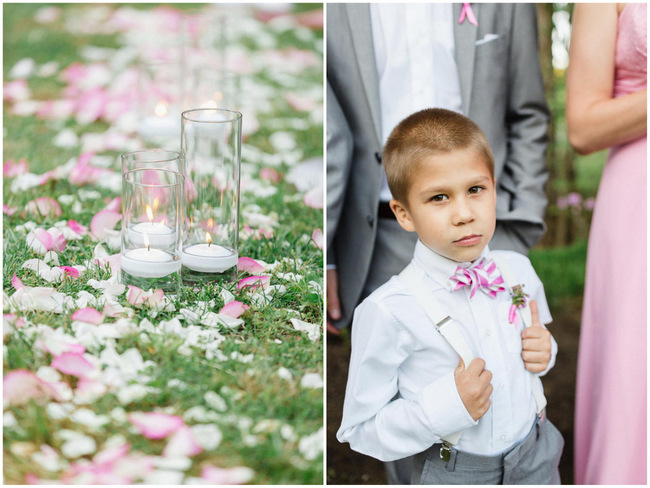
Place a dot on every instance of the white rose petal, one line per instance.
(313, 330)
(208, 436)
(284, 373)
(78, 445)
(311, 380)
(215, 401)
(312, 445)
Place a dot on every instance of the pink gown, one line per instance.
(611, 414)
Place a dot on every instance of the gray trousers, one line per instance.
(534, 461)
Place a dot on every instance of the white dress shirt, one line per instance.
(396, 349)
(414, 56)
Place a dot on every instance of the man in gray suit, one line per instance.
(494, 47)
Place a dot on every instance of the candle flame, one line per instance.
(149, 213)
(208, 238)
(146, 241)
(161, 109)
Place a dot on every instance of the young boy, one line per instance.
(409, 392)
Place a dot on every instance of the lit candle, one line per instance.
(149, 263)
(209, 258)
(160, 125)
(160, 235)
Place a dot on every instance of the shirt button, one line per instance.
(504, 437)
(488, 332)
(501, 386)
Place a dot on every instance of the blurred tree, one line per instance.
(567, 216)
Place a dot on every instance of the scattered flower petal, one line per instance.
(104, 221)
(155, 425)
(227, 476)
(234, 309)
(74, 364)
(19, 386)
(254, 282)
(249, 265)
(313, 330)
(88, 315)
(314, 197)
(44, 206)
(182, 444)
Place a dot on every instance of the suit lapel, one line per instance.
(361, 29)
(465, 35)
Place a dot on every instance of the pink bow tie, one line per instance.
(484, 275)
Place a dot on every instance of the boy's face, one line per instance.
(451, 204)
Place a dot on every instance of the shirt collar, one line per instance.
(438, 267)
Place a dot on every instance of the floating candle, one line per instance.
(208, 258)
(159, 234)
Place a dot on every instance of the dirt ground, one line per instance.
(346, 467)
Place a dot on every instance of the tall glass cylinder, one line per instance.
(162, 97)
(211, 146)
(151, 229)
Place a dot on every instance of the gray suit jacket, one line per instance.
(502, 91)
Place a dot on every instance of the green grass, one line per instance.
(264, 416)
(562, 270)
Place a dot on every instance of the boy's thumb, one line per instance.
(460, 368)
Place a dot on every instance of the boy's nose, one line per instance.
(462, 213)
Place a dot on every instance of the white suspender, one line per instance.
(454, 335)
(509, 278)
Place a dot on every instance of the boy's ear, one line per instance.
(402, 215)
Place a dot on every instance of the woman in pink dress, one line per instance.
(607, 107)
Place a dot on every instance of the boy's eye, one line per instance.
(475, 189)
(438, 198)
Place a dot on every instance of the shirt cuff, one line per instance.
(444, 408)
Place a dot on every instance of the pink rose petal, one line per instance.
(77, 227)
(249, 265)
(88, 315)
(182, 444)
(13, 319)
(154, 425)
(103, 221)
(114, 205)
(254, 282)
(314, 198)
(44, 206)
(317, 237)
(234, 309)
(17, 283)
(20, 386)
(44, 237)
(73, 364)
(135, 295)
(70, 271)
(11, 169)
(270, 174)
(7, 210)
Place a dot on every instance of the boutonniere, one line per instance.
(469, 14)
(518, 301)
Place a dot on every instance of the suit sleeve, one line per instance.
(527, 119)
(339, 159)
(375, 422)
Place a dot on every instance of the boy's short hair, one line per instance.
(425, 133)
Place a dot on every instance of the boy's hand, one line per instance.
(474, 387)
(535, 343)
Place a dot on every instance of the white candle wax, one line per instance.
(208, 258)
(149, 263)
(158, 234)
(155, 126)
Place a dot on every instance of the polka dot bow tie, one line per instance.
(484, 275)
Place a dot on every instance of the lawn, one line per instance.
(221, 384)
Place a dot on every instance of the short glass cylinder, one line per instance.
(151, 229)
(211, 147)
(153, 159)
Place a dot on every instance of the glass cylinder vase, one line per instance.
(151, 229)
(153, 159)
(211, 147)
